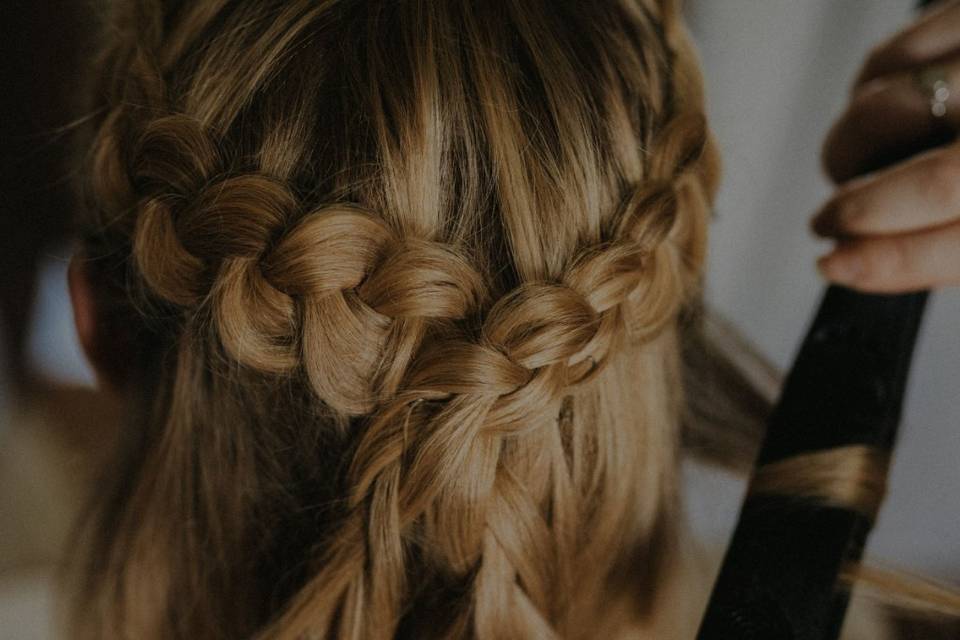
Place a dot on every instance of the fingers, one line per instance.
(889, 116)
(935, 35)
(916, 194)
(896, 264)
(898, 228)
(887, 119)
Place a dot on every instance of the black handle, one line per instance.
(778, 580)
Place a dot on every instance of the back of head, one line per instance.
(403, 281)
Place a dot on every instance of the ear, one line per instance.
(110, 360)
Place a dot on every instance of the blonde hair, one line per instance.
(404, 287)
(407, 281)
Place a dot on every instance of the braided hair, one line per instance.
(406, 278)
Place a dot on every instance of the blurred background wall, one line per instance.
(39, 86)
(41, 51)
(777, 73)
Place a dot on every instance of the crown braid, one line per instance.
(331, 289)
(357, 280)
(449, 371)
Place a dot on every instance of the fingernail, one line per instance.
(840, 268)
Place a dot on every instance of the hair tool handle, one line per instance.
(779, 578)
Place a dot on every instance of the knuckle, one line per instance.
(897, 260)
(866, 273)
(861, 103)
(897, 53)
(869, 107)
(889, 267)
(942, 178)
(880, 57)
(882, 264)
(904, 51)
(838, 204)
(875, 57)
(849, 215)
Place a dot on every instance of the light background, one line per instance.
(777, 73)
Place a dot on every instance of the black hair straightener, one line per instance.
(779, 578)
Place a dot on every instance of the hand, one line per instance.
(896, 211)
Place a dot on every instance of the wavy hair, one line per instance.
(405, 282)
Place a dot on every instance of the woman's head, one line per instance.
(400, 282)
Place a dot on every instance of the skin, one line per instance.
(103, 345)
(897, 225)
